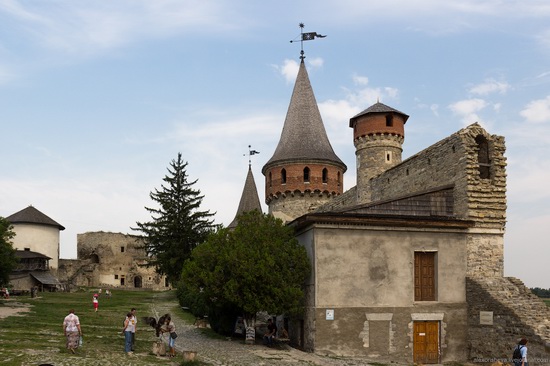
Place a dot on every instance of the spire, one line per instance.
(303, 136)
(250, 200)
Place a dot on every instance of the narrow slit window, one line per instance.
(325, 175)
(283, 176)
(389, 120)
(306, 174)
(483, 157)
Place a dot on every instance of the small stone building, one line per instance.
(110, 260)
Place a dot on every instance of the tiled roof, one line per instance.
(31, 215)
(303, 136)
(249, 200)
(378, 108)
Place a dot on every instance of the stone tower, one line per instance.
(378, 135)
(304, 172)
(250, 200)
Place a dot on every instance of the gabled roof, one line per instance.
(250, 200)
(303, 136)
(377, 108)
(31, 215)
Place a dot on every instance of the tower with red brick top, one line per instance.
(378, 135)
(304, 172)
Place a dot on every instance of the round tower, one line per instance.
(378, 135)
(304, 172)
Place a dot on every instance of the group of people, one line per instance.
(73, 331)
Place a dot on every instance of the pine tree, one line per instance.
(8, 260)
(178, 225)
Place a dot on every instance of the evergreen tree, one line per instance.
(260, 266)
(178, 225)
(8, 260)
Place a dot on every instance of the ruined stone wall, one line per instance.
(453, 161)
(516, 314)
(111, 260)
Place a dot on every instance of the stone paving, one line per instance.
(236, 353)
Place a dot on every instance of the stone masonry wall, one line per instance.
(517, 313)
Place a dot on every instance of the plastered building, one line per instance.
(407, 265)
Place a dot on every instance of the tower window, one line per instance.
(283, 176)
(325, 175)
(389, 120)
(306, 174)
(483, 157)
(338, 178)
(122, 249)
(270, 181)
(388, 157)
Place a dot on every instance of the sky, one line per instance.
(98, 97)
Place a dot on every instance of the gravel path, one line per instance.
(236, 353)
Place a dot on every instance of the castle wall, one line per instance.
(110, 260)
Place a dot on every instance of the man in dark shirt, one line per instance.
(271, 332)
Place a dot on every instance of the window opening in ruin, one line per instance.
(122, 280)
(283, 176)
(116, 277)
(389, 120)
(137, 282)
(122, 249)
(94, 258)
(325, 175)
(424, 276)
(306, 174)
(483, 157)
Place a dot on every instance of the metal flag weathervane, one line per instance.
(306, 37)
(250, 153)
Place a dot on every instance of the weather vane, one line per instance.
(305, 37)
(250, 153)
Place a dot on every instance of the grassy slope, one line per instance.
(38, 337)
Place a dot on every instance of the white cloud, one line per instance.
(468, 109)
(79, 28)
(289, 68)
(537, 111)
(490, 86)
(360, 80)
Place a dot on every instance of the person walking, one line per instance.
(72, 330)
(95, 301)
(170, 328)
(127, 331)
(134, 320)
(520, 353)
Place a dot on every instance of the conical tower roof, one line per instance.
(31, 215)
(250, 200)
(303, 136)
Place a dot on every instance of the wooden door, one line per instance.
(426, 342)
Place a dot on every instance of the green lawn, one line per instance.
(37, 337)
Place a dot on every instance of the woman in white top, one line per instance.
(71, 329)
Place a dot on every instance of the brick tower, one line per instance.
(304, 172)
(378, 135)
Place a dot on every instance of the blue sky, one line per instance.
(97, 97)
